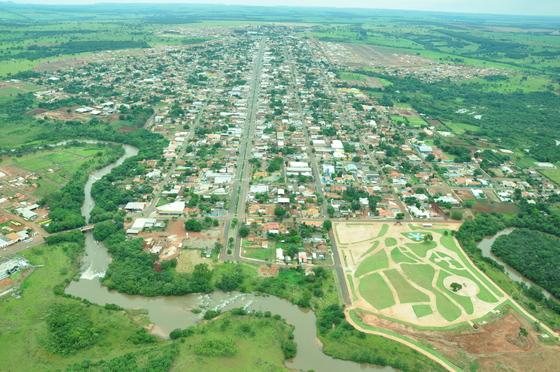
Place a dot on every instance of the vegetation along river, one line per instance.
(485, 247)
(168, 313)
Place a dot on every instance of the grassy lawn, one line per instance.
(449, 243)
(389, 242)
(383, 231)
(351, 284)
(351, 76)
(406, 292)
(446, 308)
(421, 274)
(373, 263)
(371, 249)
(259, 253)
(422, 310)
(398, 256)
(416, 121)
(421, 249)
(375, 291)
(15, 134)
(460, 128)
(552, 174)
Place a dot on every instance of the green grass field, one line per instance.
(552, 174)
(448, 310)
(55, 167)
(464, 301)
(15, 134)
(421, 274)
(460, 128)
(372, 263)
(399, 257)
(389, 242)
(375, 290)
(406, 292)
(421, 249)
(422, 310)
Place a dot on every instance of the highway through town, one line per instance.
(240, 187)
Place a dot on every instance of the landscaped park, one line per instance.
(414, 273)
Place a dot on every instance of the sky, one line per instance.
(521, 7)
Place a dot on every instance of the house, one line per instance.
(279, 254)
(417, 212)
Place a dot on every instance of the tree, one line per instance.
(70, 328)
(457, 215)
(244, 231)
(428, 238)
(280, 212)
(330, 211)
(193, 225)
(455, 287)
(327, 225)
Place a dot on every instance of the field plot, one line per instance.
(52, 169)
(413, 274)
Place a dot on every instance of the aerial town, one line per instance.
(259, 154)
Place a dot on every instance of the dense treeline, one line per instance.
(154, 360)
(531, 217)
(35, 51)
(519, 119)
(137, 272)
(534, 254)
(70, 328)
(106, 196)
(65, 204)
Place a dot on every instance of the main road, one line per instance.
(240, 186)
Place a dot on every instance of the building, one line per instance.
(135, 206)
(172, 209)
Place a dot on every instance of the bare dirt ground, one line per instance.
(496, 346)
(398, 62)
(368, 55)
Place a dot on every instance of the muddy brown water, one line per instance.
(168, 313)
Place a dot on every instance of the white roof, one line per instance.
(337, 144)
(135, 205)
(258, 189)
(175, 207)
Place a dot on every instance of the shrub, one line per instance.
(215, 347)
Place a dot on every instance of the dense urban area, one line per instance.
(217, 188)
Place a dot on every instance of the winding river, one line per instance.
(485, 246)
(168, 313)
